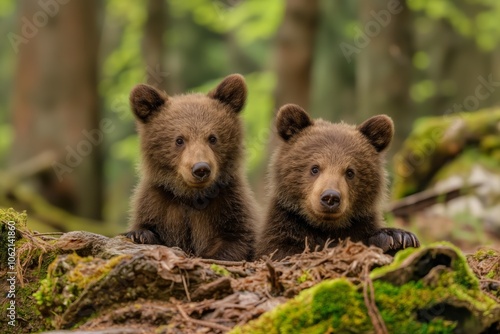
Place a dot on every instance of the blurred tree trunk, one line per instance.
(334, 85)
(459, 69)
(56, 104)
(384, 64)
(295, 49)
(154, 45)
(294, 54)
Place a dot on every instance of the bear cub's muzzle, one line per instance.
(330, 199)
(201, 171)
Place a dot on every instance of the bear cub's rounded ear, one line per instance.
(291, 120)
(378, 130)
(231, 91)
(146, 100)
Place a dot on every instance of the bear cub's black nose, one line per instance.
(201, 170)
(330, 199)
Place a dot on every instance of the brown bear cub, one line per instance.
(328, 183)
(193, 193)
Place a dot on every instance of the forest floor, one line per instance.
(111, 285)
(249, 289)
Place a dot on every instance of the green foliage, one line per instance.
(7, 59)
(471, 18)
(258, 115)
(422, 90)
(5, 138)
(249, 20)
(127, 149)
(421, 60)
(6, 8)
(124, 66)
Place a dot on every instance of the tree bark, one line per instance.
(295, 49)
(459, 64)
(384, 65)
(295, 42)
(333, 84)
(153, 44)
(56, 100)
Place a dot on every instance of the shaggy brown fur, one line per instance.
(328, 182)
(193, 193)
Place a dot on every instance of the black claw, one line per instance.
(392, 240)
(416, 242)
(399, 238)
(410, 241)
(143, 237)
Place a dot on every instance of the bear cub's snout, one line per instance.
(201, 170)
(330, 199)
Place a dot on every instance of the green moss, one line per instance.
(464, 275)
(12, 223)
(490, 258)
(20, 218)
(396, 263)
(220, 270)
(83, 274)
(34, 256)
(484, 254)
(67, 277)
(306, 276)
(332, 306)
(415, 306)
(490, 143)
(31, 251)
(435, 141)
(397, 307)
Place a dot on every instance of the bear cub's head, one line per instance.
(330, 173)
(191, 142)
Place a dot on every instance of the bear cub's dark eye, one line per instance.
(349, 173)
(314, 170)
(212, 139)
(179, 141)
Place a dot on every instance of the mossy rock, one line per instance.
(428, 290)
(436, 141)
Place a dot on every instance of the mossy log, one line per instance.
(428, 290)
(95, 284)
(435, 141)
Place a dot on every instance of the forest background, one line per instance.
(68, 146)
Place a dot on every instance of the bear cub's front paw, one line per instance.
(392, 240)
(143, 237)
